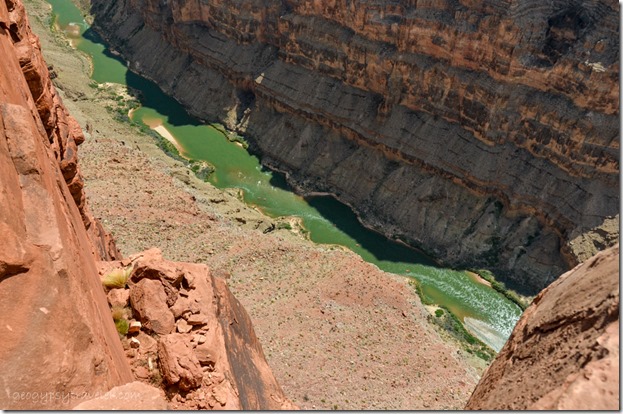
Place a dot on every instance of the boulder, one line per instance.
(205, 355)
(151, 265)
(197, 319)
(183, 326)
(119, 297)
(178, 363)
(148, 344)
(135, 327)
(148, 299)
(180, 306)
(564, 352)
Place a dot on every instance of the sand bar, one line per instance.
(156, 125)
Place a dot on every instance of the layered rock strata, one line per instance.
(484, 132)
(193, 337)
(564, 352)
(58, 344)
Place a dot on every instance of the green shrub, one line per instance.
(202, 169)
(439, 313)
(418, 289)
(122, 326)
(522, 301)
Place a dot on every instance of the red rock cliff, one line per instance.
(564, 352)
(492, 123)
(58, 343)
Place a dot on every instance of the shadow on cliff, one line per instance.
(151, 96)
(379, 246)
(145, 91)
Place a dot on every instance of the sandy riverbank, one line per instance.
(156, 125)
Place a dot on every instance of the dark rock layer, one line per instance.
(485, 132)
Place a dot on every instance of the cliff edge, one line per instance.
(564, 352)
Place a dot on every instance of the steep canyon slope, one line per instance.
(59, 346)
(485, 132)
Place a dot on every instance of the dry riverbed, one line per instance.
(337, 331)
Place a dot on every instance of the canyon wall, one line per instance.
(564, 352)
(484, 132)
(58, 344)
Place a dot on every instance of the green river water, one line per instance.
(486, 313)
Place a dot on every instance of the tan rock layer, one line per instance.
(493, 123)
(58, 345)
(564, 352)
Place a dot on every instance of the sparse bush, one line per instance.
(117, 278)
(119, 313)
(155, 377)
(522, 301)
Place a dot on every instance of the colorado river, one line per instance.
(486, 313)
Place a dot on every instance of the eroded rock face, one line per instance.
(490, 123)
(178, 363)
(564, 352)
(150, 303)
(213, 360)
(57, 341)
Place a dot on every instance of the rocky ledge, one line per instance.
(187, 334)
(564, 352)
(57, 344)
(485, 132)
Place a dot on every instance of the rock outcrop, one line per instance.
(58, 344)
(490, 123)
(564, 352)
(207, 356)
